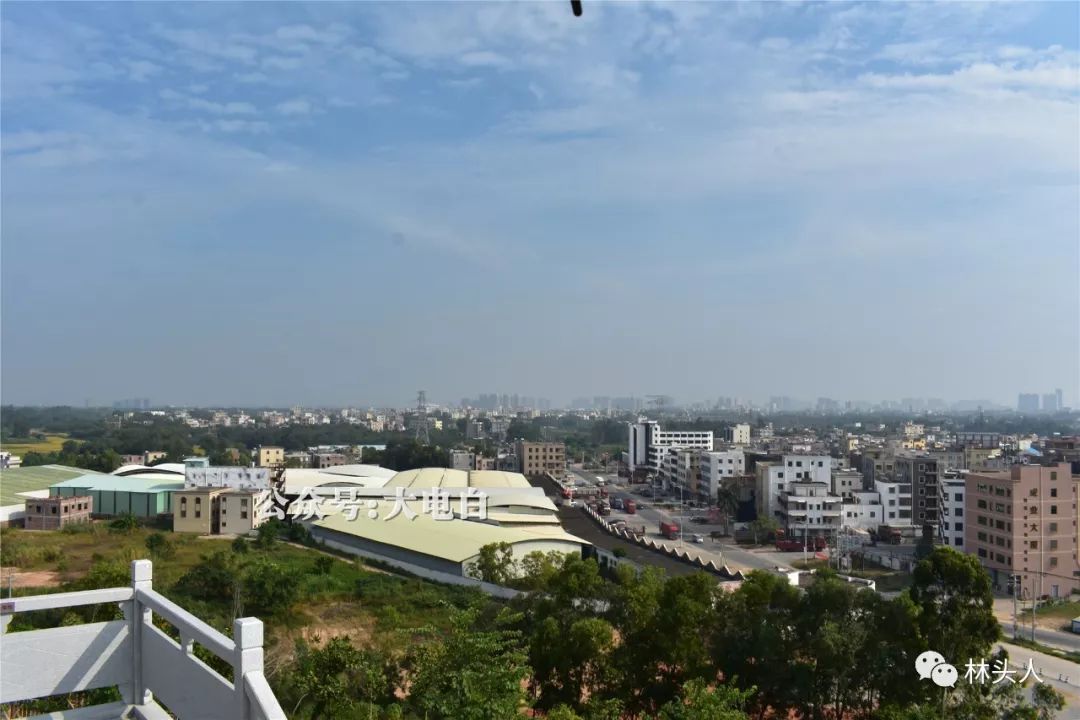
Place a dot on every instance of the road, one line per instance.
(733, 556)
(1051, 636)
(1063, 675)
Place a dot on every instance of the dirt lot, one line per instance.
(40, 578)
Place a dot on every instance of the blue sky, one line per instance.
(340, 203)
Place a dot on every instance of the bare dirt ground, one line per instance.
(39, 578)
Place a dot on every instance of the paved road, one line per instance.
(1052, 636)
(733, 556)
(1064, 675)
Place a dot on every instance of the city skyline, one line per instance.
(340, 203)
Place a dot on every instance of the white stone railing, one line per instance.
(142, 661)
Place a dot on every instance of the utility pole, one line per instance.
(1015, 582)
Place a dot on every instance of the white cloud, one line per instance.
(483, 58)
(296, 106)
(198, 103)
(142, 70)
(282, 62)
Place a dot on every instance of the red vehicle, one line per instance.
(669, 530)
(630, 507)
(793, 544)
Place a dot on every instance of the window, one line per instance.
(959, 512)
(982, 553)
(1053, 474)
(198, 513)
(1053, 527)
(1053, 492)
(958, 541)
(1053, 562)
(1053, 544)
(958, 497)
(958, 527)
(981, 504)
(1033, 544)
(183, 513)
(1033, 492)
(1053, 509)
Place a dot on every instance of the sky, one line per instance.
(340, 204)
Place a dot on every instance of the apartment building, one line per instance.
(738, 434)
(53, 513)
(681, 468)
(808, 507)
(1024, 521)
(951, 519)
(815, 468)
(920, 473)
(716, 466)
(896, 504)
(227, 477)
(462, 460)
(862, 510)
(538, 458)
(876, 464)
(770, 482)
(269, 456)
(327, 460)
(846, 482)
(648, 435)
(218, 510)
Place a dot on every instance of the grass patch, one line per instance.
(1065, 654)
(47, 444)
(1060, 610)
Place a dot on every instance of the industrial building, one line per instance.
(142, 495)
(17, 485)
(441, 542)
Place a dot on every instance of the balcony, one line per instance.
(136, 657)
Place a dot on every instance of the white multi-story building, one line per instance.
(738, 434)
(846, 482)
(951, 509)
(238, 478)
(815, 468)
(896, 503)
(715, 466)
(862, 510)
(770, 483)
(646, 435)
(680, 468)
(808, 507)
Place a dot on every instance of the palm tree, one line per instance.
(727, 504)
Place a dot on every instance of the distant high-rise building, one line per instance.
(1049, 402)
(1027, 402)
(1060, 399)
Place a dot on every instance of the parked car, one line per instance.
(699, 539)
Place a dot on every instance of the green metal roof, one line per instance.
(38, 477)
(117, 483)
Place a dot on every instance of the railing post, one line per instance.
(248, 636)
(141, 579)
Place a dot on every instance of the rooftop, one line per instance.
(454, 540)
(129, 483)
(15, 481)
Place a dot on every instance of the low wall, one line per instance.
(692, 559)
(421, 572)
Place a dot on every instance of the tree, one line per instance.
(763, 527)
(956, 604)
(697, 701)
(214, 579)
(320, 677)
(124, 523)
(925, 545)
(1047, 701)
(467, 674)
(268, 588)
(727, 504)
(266, 535)
(494, 564)
(160, 546)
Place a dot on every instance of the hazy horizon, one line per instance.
(339, 204)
